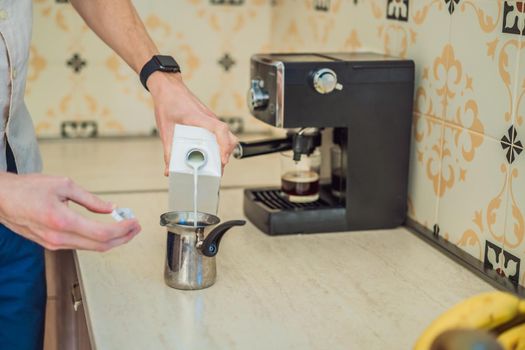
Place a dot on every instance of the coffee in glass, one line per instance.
(300, 180)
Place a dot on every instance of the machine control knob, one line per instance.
(325, 81)
(258, 97)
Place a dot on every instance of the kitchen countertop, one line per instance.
(360, 290)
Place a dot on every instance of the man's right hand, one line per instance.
(36, 207)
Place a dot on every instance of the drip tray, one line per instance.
(273, 214)
(274, 199)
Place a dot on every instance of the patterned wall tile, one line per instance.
(238, 28)
(472, 203)
(519, 121)
(402, 28)
(50, 96)
(79, 129)
(306, 25)
(511, 144)
(363, 21)
(514, 242)
(451, 5)
(120, 108)
(482, 84)
(227, 2)
(226, 62)
(76, 62)
(502, 261)
(310, 28)
(56, 29)
(392, 27)
(397, 10)
(284, 27)
(322, 5)
(513, 18)
(426, 40)
(425, 169)
(337, 28)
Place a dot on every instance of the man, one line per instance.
(33, 208)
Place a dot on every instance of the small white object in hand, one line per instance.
(120, 214)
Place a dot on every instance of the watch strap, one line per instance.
(154, 65)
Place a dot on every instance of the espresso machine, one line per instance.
(360, 103)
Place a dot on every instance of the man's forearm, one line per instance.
(117, 23)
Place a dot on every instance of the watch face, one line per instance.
(167, 61)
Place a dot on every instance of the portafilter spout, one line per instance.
(305, 142)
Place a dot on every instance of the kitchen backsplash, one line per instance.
(467, 177)
(77, 87)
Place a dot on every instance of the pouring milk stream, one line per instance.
(195, 160)
(194, 171)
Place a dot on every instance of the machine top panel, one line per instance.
(299, 57)
(327, 57)
(360, 56)
(328, 89)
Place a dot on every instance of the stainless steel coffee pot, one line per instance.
(191, 249)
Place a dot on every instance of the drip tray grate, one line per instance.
(274, 199)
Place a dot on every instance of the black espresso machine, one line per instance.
(364, 101)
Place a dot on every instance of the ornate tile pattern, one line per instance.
(84, 129)
(511, 145)
(505, 263)
(513, 19)
(76, 63)
(197, 33)
(322, 5)
(226, 62)
(227, 2)
(397, 10)
(451, 5)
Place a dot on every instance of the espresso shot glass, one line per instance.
(300, 180)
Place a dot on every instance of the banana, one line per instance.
(486, 311)
(514, 338)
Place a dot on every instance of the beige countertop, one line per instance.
(360, 290)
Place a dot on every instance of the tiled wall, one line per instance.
(467, 175)
(78, 87)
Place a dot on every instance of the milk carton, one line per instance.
(193, 149)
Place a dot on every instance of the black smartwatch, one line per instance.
(161, 63)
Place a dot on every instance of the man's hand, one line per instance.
(176, 104)
(36, 207)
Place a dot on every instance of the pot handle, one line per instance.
(210, 245)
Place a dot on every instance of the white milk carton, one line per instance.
(192, 149)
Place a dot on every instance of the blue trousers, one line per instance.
(22, 289)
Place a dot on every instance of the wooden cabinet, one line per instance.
(66, 323)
